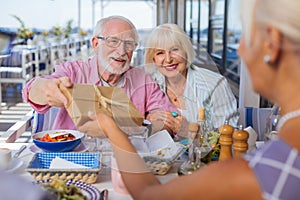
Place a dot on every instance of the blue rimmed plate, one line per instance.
(87, 190)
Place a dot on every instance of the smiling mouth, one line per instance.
(119, 60)
(171, 67)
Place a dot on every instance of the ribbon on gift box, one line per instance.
(84, 98)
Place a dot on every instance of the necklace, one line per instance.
(287, 117)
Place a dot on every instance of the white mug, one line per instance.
(5, 158)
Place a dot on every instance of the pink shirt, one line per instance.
(138, 85)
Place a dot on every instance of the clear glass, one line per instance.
(194, 158)
(271, 123)
(205, 127)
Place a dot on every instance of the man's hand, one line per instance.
(46, 91)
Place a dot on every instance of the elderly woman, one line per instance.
(169, 56)
(270, 49)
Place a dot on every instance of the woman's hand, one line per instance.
(92, 127)
(100, 125)
(165, 120)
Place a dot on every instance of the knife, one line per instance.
(20, 151)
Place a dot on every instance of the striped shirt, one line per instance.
(277, 168)
(208, 90)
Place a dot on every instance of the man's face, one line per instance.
(114, 51)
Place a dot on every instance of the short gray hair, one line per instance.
(100, 25)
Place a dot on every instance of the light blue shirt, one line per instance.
(207, 89)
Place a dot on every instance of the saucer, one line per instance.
(15, 164)
(80, 148)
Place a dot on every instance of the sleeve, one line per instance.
(60, 71)
(224, 104)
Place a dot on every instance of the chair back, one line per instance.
(43, 122)
(256, 118)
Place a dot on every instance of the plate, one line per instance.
(88, 190)
(82, 147)
(16, 163)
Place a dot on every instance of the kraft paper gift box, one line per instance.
(113, 101)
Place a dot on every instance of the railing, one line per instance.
(27, 61)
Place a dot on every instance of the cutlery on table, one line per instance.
(23, 147)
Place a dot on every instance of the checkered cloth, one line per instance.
(277, 168)
(88, 159)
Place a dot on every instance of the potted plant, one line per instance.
(23, 32)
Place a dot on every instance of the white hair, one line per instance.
(99, 28)
(283, 14)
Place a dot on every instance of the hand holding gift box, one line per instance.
(83, 98)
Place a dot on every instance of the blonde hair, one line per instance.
(283, 14)
(165, 35)
(99, 28)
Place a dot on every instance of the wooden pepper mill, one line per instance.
(225, 140)
(240, 141)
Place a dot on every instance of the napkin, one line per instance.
(252, 139)
(59, 163)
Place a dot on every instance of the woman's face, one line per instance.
(170, 61)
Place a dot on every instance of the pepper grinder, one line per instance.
(240, 141)
(225, 140)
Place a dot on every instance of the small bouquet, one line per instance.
(23, 32)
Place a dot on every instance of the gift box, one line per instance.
(113, 101)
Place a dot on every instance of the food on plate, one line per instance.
(63, 191)
(59, 138)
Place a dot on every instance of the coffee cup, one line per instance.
(5, 158)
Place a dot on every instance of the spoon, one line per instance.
(20, 151)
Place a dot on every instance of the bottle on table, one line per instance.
(194, 157)
(204, 129)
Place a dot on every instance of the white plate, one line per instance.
(15, 164)
(82, 147)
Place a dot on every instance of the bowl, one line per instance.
(60, 146)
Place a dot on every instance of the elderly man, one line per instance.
(114, 40)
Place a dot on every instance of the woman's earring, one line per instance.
(267, 59)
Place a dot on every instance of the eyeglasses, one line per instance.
(115, 42)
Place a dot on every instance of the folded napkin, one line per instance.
(252, 139)
(59, 163)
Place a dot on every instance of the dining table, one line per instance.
(104, 180)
